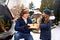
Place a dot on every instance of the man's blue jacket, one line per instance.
(21, 25)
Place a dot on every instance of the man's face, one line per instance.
(26, 15)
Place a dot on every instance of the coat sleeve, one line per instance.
(18, 27)
(30, 21)
(45, 25)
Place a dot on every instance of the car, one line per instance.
(6, 23)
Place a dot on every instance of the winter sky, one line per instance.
(36, 3)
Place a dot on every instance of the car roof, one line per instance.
(5, 11)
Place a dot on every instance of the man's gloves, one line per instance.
(27, 26)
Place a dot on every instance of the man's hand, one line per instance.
(34, 26)
(27, 26)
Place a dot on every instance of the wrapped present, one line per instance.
(34, 26)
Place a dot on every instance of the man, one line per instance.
(45, 25)
(22, 27)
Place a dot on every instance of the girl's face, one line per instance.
(46, 17)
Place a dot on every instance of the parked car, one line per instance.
(6, 23)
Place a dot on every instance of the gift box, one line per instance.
(34, 26)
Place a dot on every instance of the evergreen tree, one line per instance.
(31, 5)
(46, 4)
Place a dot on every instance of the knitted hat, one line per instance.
(47, 11)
